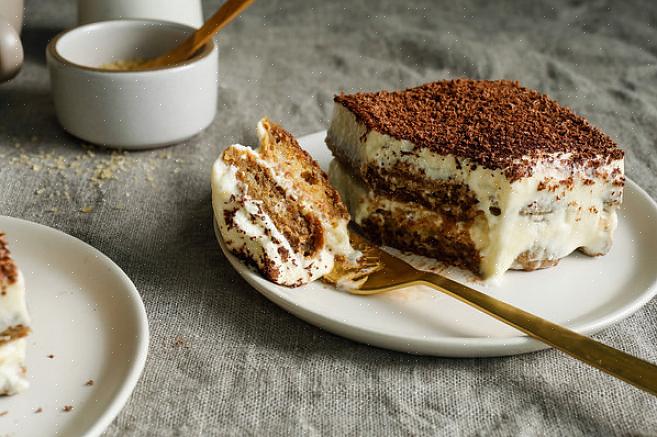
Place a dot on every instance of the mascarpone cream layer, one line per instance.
(12, 367)
(556, 210)
(13, 308)
(13, 312)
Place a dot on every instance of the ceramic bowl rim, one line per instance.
(203, 53)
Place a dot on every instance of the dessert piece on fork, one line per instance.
(275, 209)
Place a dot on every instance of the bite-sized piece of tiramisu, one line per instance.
(14, 324)
(276, 209)
(487, 175)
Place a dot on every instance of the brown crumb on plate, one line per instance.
(38, 410)
(67, 408)
(89, 383)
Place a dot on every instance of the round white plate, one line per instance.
(586, 294)
(88, 315)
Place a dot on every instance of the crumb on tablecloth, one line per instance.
(180, 342)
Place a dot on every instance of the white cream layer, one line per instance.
(256, 234)
(13, 312)
(563, 219)
(12, 367)
(13, 309)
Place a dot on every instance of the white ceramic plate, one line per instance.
(586, 294)
(87, 314)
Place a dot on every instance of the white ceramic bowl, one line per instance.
(131, 109)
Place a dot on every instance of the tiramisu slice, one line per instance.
(276, 209)
(487, 175)
(14, 324)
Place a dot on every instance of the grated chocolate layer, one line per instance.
(495, 124)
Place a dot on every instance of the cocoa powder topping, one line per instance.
(495, 124)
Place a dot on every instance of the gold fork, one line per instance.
(378, 271)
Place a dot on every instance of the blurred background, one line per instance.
(287, 58)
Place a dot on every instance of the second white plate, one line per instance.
(88, 324)
(585, 294)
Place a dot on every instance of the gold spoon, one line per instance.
(378, 271)
(226, 13)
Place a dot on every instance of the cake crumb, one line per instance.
(51, 356)
(89, 383)
(124, 65)
(67, 408)
(180, 342)
(38, 410)
(4, 413)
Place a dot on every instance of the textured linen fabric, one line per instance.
(225, 361)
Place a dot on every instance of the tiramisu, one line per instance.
(486, 175)
(14, 324)
(276, 209)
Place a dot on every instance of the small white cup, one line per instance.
(11, 49)
(189, 12)
(131, 109)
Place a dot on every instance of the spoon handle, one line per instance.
(628, 368)
(226, 13)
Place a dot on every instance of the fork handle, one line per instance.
(633, 370)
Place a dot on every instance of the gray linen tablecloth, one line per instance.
(223, 360)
